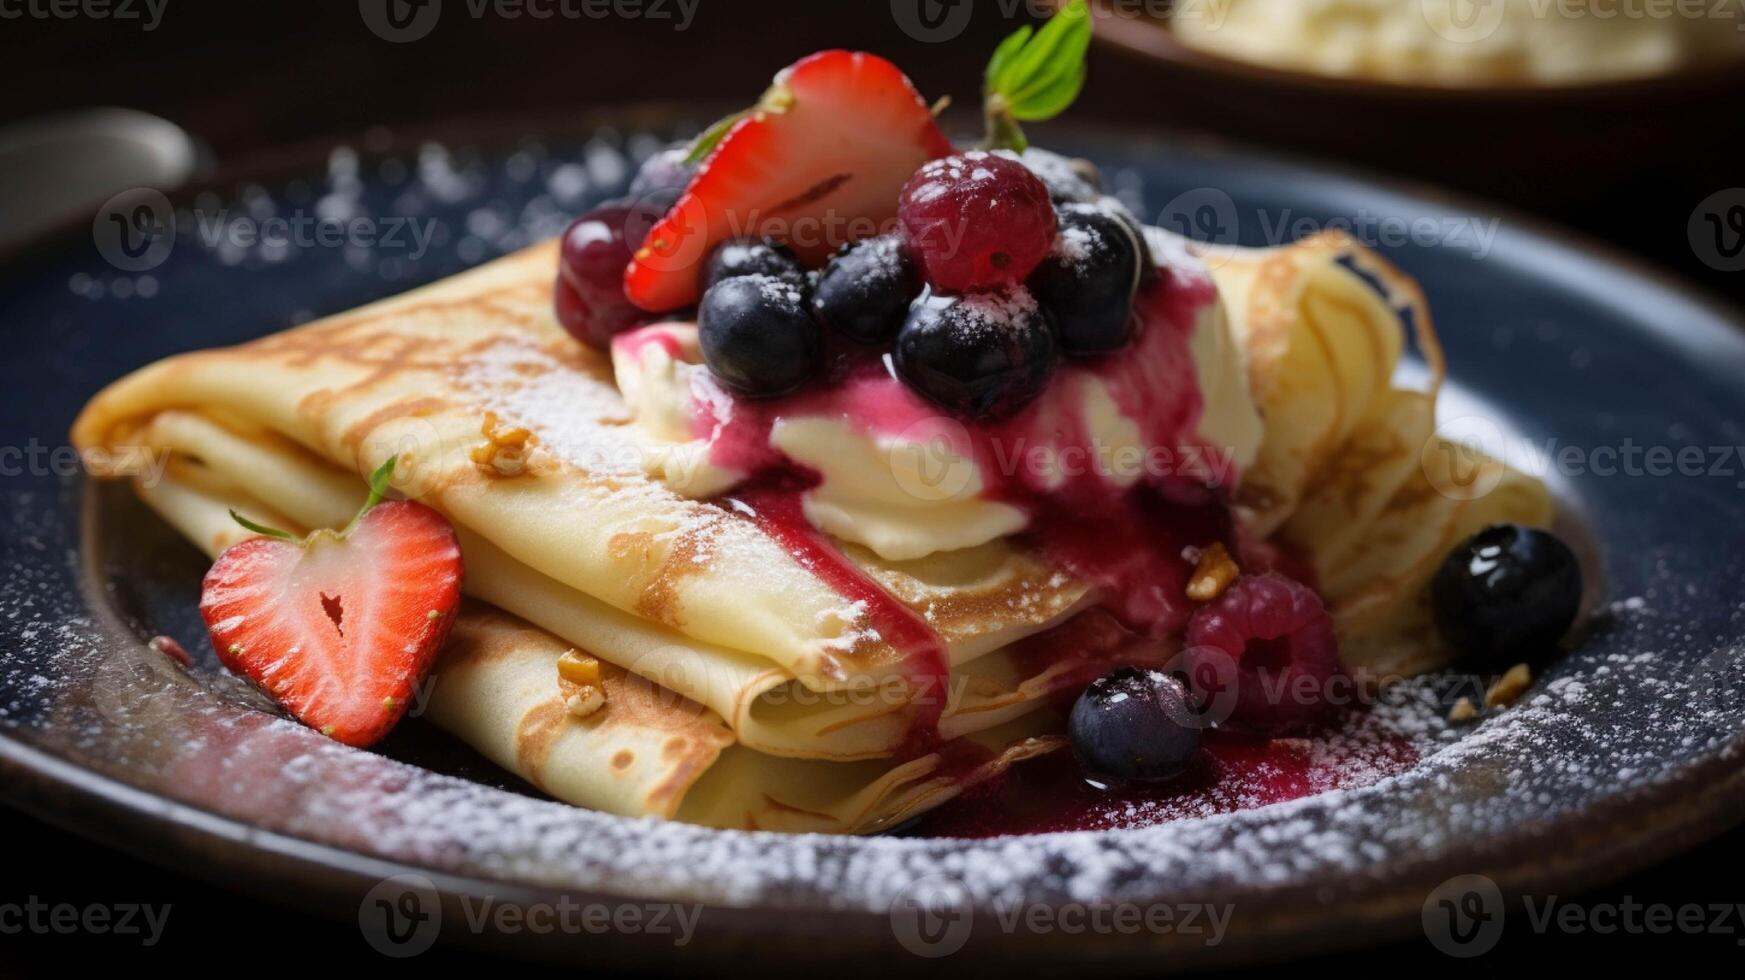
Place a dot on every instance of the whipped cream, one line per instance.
(900, 476)
(1458, 42)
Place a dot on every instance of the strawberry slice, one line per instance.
(817, 163)
(339, 627)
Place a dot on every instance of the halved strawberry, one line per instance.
(341, 626)
(818, 162)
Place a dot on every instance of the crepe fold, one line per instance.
(648, 751)
(1352, 474)
(499, 420)
(742, 688)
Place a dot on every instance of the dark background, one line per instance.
(246, 78)
(249, 77)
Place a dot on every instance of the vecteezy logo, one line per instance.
(135, 230)
(932, 916)
(1463, 21)
(930, 459)
(931, 21)
(400, 21)
(421, 457)
(1213, 684)
(401, 916)
(136, 687)
(1717, 230)
(1714, 685)
(1461, 459)
(1204, 214)
(1463, 917)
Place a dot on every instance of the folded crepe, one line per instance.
(647, 751)
(1351, 474)
(744, 688)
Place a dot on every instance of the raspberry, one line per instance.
(976, 221)
(1264, 651)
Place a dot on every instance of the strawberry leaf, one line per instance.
(708, 139)
(262, 529)
(776, 99)
(380, 481)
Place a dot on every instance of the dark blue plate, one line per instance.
(1623, 389)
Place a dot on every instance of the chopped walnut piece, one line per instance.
(1508, 687)
(585, 702)
(1215, 572)
(504, 452)
(578, 682)
(578, 668)
(1463, 711)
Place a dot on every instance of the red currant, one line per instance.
(589, 297)
(976, 221)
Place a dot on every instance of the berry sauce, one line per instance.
(774, 506)
(1126, 537)
(1152, 383)
(1086, 645)
(1230, 773)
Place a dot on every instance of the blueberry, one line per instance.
(1134, 723)
(983, 355)
(757, 336)
(744, 257)
(1089, 279)
(1506, 596)
(1069, 180)
(864, 292)
(665, 172)
(1147, 261)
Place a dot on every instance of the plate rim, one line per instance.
(119, 812)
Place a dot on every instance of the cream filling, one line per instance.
(903, 497)
(656, 386)
(911, 494)
(1231, 422)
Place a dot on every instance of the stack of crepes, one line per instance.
(741, 688)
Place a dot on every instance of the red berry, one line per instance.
(818, 164)
(168, 646)
(1264, 651)
(976, 220)
(339, 627)
(589, 297)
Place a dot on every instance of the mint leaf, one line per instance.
(1000, 64)
(1035, 75)
(1051, 100)
(1058, 50)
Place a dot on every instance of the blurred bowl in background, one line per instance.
(1536, 144)
(58, 168)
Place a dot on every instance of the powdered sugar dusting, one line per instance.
(993, 312)
(1076, 245)
(579, 417)
(1649, 708)
(1566, 747)
(1177, 254)
(777, 289)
